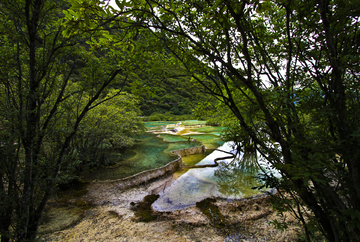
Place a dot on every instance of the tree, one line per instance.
(106, 130)
(289, 73)
(52, 75)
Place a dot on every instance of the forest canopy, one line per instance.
(284, 75)
(289, 73)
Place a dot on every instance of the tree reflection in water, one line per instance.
(238, 176)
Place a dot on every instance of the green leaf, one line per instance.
(87, 20)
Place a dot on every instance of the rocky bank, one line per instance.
(102, 212)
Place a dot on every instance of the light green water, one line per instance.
(231, 179)
(150, 152)
(159, 124)
(210, 129)
(210, 141)
(193, 122)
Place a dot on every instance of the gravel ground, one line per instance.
(104, 213)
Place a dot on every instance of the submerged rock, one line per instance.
(143, 210)
(212, 212)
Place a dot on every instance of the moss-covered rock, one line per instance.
(212, 212)
(143, 210)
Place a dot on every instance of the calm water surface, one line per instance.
(231, 179)
(225, 181)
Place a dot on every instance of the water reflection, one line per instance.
(209, 136)
(149, 152)
(237, 176)
(231, 179)
(152, 152)
(247, 162)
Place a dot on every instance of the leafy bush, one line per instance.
(108, 128)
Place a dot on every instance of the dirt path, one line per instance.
(105, 214)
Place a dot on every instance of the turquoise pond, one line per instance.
(161, 124)
(233, 178)
(148, 153)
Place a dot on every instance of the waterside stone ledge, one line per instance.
(145, 176)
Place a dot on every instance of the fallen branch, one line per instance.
(215, 161)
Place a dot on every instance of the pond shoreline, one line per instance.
(105, 213)
(108, 216)
(145, 176)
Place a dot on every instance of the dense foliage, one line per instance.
(170, 93)
(285, 75)
(61, 97)
(105, 132)
(289, 73)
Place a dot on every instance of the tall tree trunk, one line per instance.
(32, 11)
